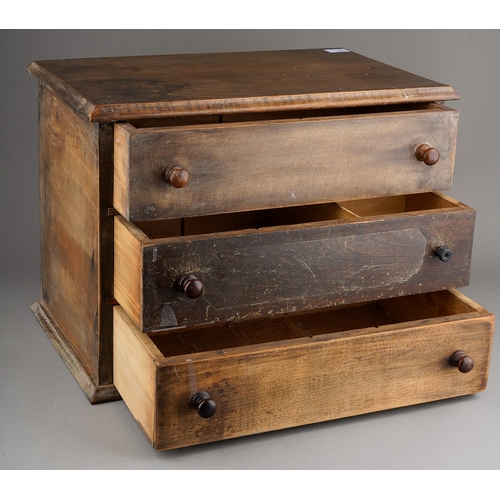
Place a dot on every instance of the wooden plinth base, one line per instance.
(95, 393)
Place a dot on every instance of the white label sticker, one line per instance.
(334, 51)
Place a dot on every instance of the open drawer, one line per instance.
(168, 169)
(200, 270)
(187, 387)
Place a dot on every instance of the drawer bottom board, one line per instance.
(273, 374)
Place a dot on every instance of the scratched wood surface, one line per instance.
(125, 88)
(302, 379)
(273, 270)
(76, 235)
(276, 163)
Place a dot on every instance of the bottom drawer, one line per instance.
(264, 375)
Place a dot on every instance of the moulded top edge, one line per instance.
(125, 88)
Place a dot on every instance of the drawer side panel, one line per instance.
(127, 270)
(134, 373)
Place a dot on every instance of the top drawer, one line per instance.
(200, 169)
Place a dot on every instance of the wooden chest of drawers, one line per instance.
(242, 242)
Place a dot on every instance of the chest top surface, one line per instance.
(132, 87)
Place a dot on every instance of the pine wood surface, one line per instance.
(125, 88)
(295, 381)
(274, 163)
(76, 233)
(285, 268)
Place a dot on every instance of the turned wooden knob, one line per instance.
(177, 176)
(190, 286)
(430, 156)
(443, 253)
(204, 404)
(463, 362)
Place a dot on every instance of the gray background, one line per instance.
(46, 421)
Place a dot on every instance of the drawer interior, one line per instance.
(258, 219)
(338, 322)
(179, 121)
(398, 204)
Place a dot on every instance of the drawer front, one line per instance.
(279, 385)
(252, 274)
(231, 167)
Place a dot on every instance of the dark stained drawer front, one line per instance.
(196, 386)
(191, 170)
(333, 254)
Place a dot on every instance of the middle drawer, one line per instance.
(213, 269)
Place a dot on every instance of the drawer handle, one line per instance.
(430, 156)
(190, 286)
(177, 176)
(204, 404)
(443, 253)
(461, 361)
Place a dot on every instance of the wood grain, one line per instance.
(275, 270)
(268, 164)
(76, 233)
(126, 88)
(301, 381)
(121, 146)
(135, 372)
(127, 267)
